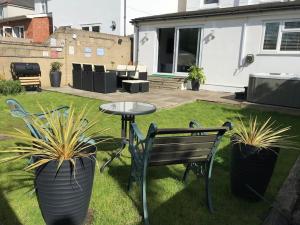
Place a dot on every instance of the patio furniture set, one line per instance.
(96, 78)
(194, 146)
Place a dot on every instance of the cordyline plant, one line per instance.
(265, 136)
(64, 137)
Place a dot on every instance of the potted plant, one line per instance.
(55, 74)
(196, 76)
(63, 159)
(254, 153)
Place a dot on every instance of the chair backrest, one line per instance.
(179, 146)
(77, 66)
(121, 68)
(99, 68)
(133, 71)
(18, 111)
(142, 69)
(87, 67)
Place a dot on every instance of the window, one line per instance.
(211, 1)
(283, 36)
(8, 32)
(86, 28)
(271, 36)
(1, 13)
(96, 29)
(19, 32)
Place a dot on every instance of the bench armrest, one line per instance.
(137, 132)
(61, 108)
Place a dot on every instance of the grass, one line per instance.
(170, 201)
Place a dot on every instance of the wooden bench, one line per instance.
(30, 81)
(193, 146)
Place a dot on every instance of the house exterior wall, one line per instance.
(222, 56)
(37, 29)
(3, 11)
(12, 11)
(76, 13)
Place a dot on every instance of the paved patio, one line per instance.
(164, 98)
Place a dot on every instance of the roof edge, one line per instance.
(266, 7)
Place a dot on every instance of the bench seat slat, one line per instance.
(30, 83)
(164, 162)
(179, 154)
(28, 78)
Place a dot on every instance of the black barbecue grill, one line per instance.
(27, 73)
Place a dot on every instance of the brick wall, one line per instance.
(36, 29)
(41, 29)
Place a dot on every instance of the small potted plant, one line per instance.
(254, 152)
(55, 74)
(63, 159)
(196, 76)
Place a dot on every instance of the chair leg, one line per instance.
(186, 172)
(131, 174)
(208, 194)
(144, 198)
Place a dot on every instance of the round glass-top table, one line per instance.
(127, 111)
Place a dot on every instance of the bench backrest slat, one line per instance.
(184, 139)
(182, 149)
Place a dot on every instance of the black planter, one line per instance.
(55, 78)
(252, 168)
(195, 85)
(63, 198)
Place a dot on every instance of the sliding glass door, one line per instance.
(188, 45)
(166, 50)
(178, 49)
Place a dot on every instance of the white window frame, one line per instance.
(14, 34)
(176, 43)
(210, 5)
(5, 27)
(280, 32)
(199, 47)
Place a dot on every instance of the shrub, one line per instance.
(196, 73)
(56, 66)
(10, 87)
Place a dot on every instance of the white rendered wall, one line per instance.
(142, 8)
(192, 5)
(76, 12)
(220, 56)
(12, 11)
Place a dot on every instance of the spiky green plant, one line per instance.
(62, 139)
(196, 73)
(262, 136)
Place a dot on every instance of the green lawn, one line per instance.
(170, 201)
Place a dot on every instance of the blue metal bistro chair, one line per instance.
(194, 146)
(18, 111)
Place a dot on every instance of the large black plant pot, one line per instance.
(63, 198)
(195, 85)
(55, 79)
(251, 169)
